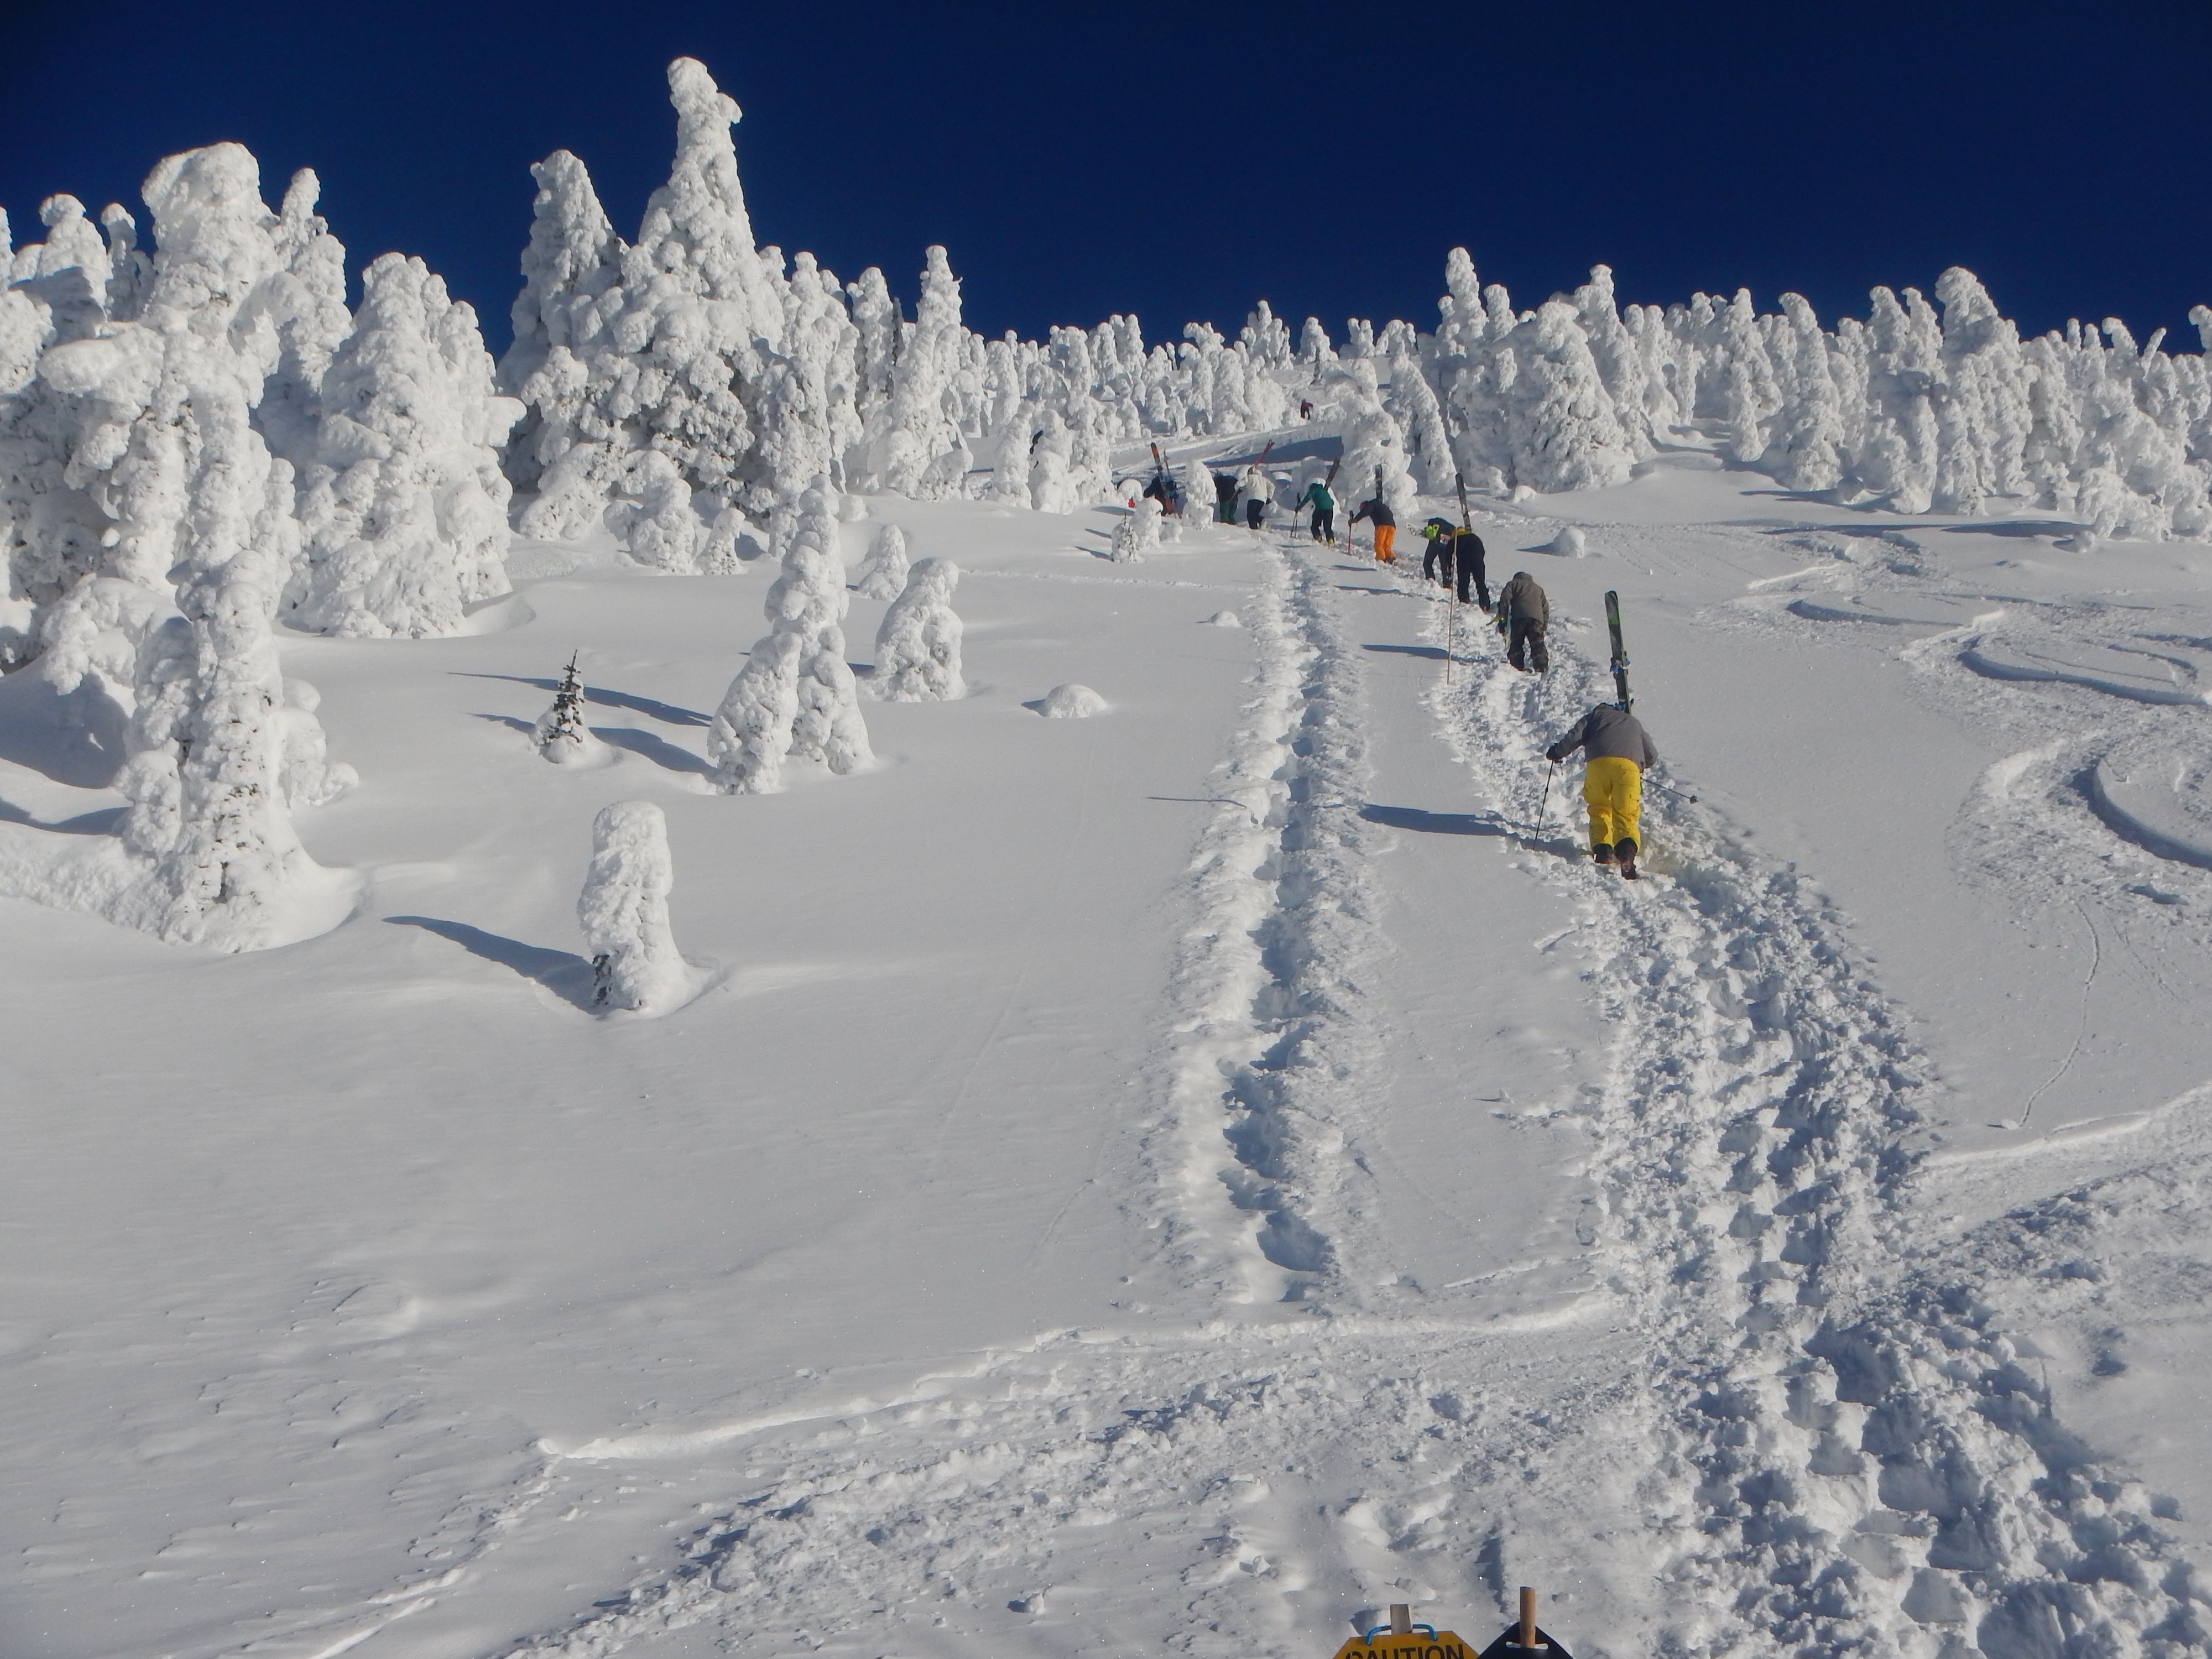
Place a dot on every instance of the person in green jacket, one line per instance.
(1324, 511)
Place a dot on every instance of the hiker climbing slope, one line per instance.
(1256, 492)
(1616, 749)
(1377, 513)
(1524, 617)
(1324, 510)
(1468, 559)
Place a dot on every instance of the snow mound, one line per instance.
(1569, 543)
(1224, 619)
(1069, 702)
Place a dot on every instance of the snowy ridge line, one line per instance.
(1854, 1460)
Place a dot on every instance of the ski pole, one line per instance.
(1544, 805)
(1678, 794)
(1449, 608)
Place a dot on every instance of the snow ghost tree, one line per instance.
(624, 911)
(796, 696)
(659, 530)
(1374, 456)
(1052, 483)
(1138, 532)
(918, 454)
(883, 575)
(1564, 430)
(405, 506)
(221, 752)
(561, 735)
(918, 647)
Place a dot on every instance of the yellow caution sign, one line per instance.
(1421, 1644)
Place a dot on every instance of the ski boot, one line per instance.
(1624, 855)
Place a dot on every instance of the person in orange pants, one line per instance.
(1377, 513)
(1616, 748)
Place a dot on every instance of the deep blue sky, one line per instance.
(1067, 154)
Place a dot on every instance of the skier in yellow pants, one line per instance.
(1616, 748)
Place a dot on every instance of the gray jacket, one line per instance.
(1606, 733)
(1523, 601)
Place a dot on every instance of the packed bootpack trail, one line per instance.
(774, 978)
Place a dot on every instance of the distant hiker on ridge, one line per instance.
(1378, 514)
(1524, 616)
(1324, 510)
(1616, 748)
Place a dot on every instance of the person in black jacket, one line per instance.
(1377, 512)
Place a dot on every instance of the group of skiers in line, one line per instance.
(1615, 746)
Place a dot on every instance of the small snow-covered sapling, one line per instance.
(561, 735)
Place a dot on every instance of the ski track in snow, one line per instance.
(1851, 1455)
(1857, 1462)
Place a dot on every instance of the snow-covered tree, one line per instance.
(1562, 428)
(307, 303)
(1460, 315)
(1374, 455)
(220, 754)
(205, 336)
(1984, 418)
(1804, 447)
(1315, 356)
(624, 912)
(918, 646)
(882, 575)
(1428, 443)
(405, 507)
(573, 259)
(660, 529)
(796, 697)
(560, 734)
(920, 452)
(1138, 533)
(1052, 485)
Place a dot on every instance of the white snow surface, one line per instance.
(1181, 1181)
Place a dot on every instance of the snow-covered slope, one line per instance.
(1188, 1177)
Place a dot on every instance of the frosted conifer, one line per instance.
(1136, 533)
(624, 912)
(405, 509)
(883, 574)
(659, 530)
(796, 696)
(918, 646)
(561, 735)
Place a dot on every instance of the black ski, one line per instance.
(1620, 652)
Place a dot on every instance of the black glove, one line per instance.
(1554, 755)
